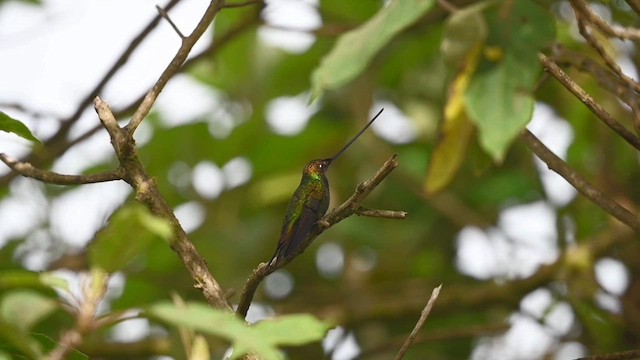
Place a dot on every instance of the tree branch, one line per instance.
(346, 209)
(583, 186)
(147, 193)
(423, 318)
(175, 65)
(605, 78)
(583, 14)
(210, 51)
(50, 177)
(57, 144)
(586, 99)
(165, 16)
(387, 214)
(616, 31)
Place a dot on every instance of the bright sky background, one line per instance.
(53, 54)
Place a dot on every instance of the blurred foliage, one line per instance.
(467, 84)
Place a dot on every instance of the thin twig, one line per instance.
(175, 65)
(617, 31)
(59, 139)
(346, 209)
(50, 177)
(423, 318)
(605, 78)
(579, 183)
(598, 47)
(388, 214)
(586, 99)
(165, 16)
(210, 51)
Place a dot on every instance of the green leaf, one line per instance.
(29, 279)
(49, 344)
(599, 326)
(354, 50)
(499, 97)
(55, 282)
(463, 31)
(262, 338)
(128, 234)
(499, 106)
(25, 308)
(291, 330)
(11, 125)
(18, 339)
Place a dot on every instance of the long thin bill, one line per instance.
(357, 135)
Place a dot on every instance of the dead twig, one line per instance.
(423, 318)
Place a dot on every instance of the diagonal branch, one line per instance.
(28, 170)
(616, 31)
(174, 66)
(57, 144)
(577, 181)
(147, 193)
(165, 15)
(593, 105)
(605, 77)
(212, 50)
(597, 46)
(423, 318)
(349, 207)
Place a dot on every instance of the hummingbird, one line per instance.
(308, 204)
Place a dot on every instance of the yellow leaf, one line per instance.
(456, 129)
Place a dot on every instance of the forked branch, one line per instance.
(581, 184)
(350, 207)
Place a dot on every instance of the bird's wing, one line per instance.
(305, 209)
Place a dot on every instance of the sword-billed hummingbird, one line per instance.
(308, 204)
